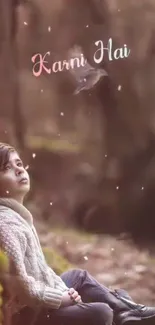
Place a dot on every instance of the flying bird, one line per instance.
(86, 76)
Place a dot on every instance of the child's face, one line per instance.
(14, 179)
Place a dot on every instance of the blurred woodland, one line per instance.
(91, 153)
(91, 156)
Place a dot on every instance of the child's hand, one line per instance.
(66, 300)
(74, 295)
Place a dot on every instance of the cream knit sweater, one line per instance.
(31, 281)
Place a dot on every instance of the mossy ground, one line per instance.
(57, 262)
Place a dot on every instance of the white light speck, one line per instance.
(58, 134)
(5, 132)
(119, 10)
(27, 167)
(41, 90)
(87, 26)
(105, 156)
(84, 79)
(119, 88)
(117, 187)
(51, 203)
(67, 242)
(62, 113)
(7, 192)
(33, 155)
(112, 249)
(25, 23)
(49, 28)
(142, 188)
(85, 258)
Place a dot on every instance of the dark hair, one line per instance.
(5, 150)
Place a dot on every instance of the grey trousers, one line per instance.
(93, 311)
(96, 308)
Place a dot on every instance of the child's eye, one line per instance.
(20, 164)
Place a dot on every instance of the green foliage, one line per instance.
(57, 262)
(4, 264)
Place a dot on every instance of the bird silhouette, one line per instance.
(86, 76)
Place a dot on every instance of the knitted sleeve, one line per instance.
(13, 242)
(58, 281)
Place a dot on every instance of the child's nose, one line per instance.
(19, 170)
